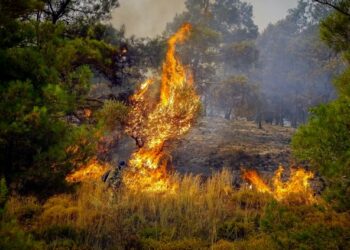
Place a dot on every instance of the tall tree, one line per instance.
(325, 140)
(222, 42)
(296, 68)
(77, 10)
(342, 7)
(45, 79)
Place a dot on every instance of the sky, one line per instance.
(149, 17)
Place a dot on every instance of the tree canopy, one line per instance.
(325, 140)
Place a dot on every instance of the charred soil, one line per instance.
(214, 143)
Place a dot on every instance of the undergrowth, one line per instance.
(199, 215)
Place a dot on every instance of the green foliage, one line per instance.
(46, 76)
(257, 242)
(305, 227)
(12, 234)
(22, 209)
(79, 11)
(334, 30)
(222, 43)
(234, 230)
(326, 152)
(295, 65)
(112, 115)
(236, 96)
(64, 236)
(3, 195)
(325, 140)
(245, 54)
(186, 244)
(13, 237)
(3, 192)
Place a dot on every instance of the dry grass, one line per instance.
(199, 215)
(193, 213)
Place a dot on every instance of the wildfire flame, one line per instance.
(170, 118)
(91, 171)
(297, 188)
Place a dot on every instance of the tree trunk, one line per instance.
(228, 114)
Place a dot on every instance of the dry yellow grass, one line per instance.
(194, 211)
(200, 214)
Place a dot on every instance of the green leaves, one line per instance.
(334, 31)
(3, 193)
(325, 140)
(46, 76)
(112, 115)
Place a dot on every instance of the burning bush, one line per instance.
(170, 118)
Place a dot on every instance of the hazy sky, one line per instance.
(149, 17)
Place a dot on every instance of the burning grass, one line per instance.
(296, 189)
(201, 214)
(93, 170)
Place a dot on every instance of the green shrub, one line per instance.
(112, 114)
(256, 242)
(23, 209)
(185, 244)
(305, 227)
(235, 229)
(14, 238)
(3, 194)
(55, 232)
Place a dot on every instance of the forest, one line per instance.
(214, 134)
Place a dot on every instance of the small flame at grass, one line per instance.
(93, 170)
(296, 189)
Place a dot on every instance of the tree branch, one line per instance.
(334, 6)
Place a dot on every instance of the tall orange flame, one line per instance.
(171, 117)
(296, 189)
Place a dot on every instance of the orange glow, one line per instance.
(87, 113)
(154, 125)
(297, 188)
(93, 170)
(254, 178)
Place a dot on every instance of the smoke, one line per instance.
(149, 17)
(146, 17)
(270, 11)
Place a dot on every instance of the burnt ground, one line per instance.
(214, 143)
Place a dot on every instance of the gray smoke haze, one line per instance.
(146, 17)
(270, 11)
(149, 17)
